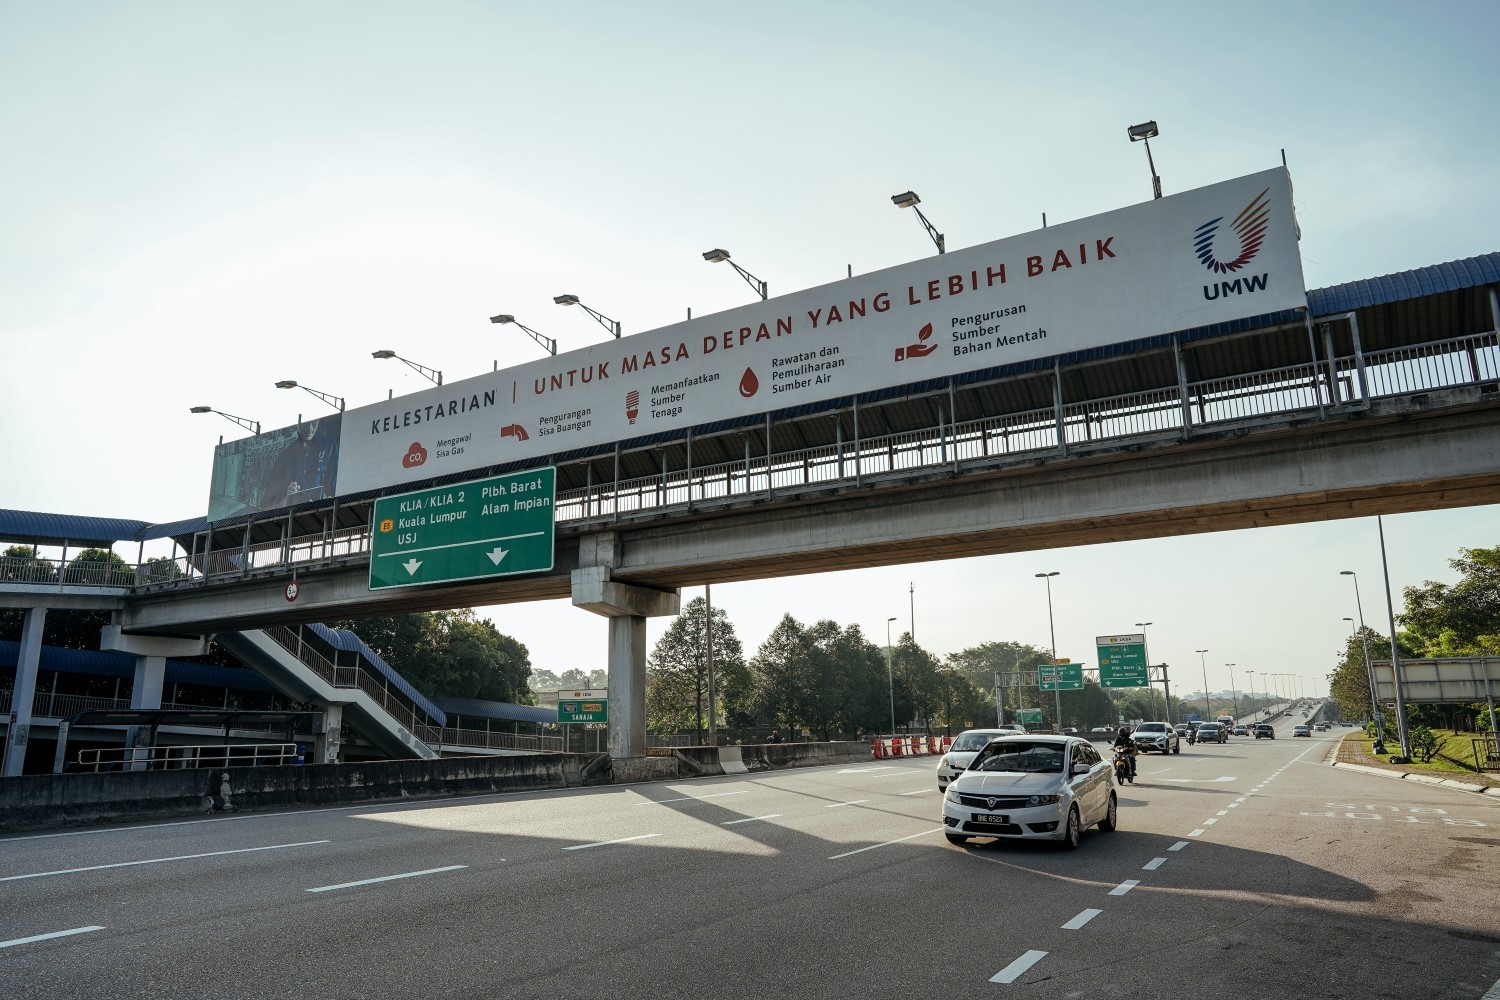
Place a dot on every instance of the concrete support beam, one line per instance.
(150, 678)
(627, 686)
(326, 747)
(18, 735)
(593, 590)
(113, 640)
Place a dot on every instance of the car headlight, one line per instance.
(1044, 800)
(952, 794)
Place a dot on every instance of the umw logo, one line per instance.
(1249, 229)
(1239, 286)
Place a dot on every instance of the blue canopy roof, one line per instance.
(95, 663)
(476, 708)
(71, 529)
(1467, 273)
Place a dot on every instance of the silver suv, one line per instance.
(1156, 736)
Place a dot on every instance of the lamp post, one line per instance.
(1052, 631)
(1390, 607)
(431, 374)
(550, 343)
(328, 398)
(890, 678)
(1255, 711)
(249, 425)
(1375, 713)
(717, 256)
(1233, 694)
(613, 326)
(1145, 132)
(1202, 663)
(909, 199)
(1147, 649)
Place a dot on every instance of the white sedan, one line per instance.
(965, 745)
(1031, 788)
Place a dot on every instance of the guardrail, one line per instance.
(1239, 400)
(189, 757)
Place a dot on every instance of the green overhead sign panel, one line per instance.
(1027, 716)
(588, 710)
(1060, 676)
(1122, 661)
(499, 526)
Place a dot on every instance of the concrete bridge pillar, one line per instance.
(627, 607)
(150, 652)
(28, 658)
(326, 746)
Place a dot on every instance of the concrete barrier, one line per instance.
(47, 801)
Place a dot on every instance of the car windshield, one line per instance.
(1021, 756)
(1209, 727)
(969, 742)
(1151, 727)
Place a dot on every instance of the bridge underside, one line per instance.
(1430, 451)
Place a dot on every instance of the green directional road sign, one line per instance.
(489, 527)
(1026, 715)
(1060, 676)
(1122, 661)
(573, 710)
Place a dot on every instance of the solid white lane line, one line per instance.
(836, 805)
(1017, 969)
(1198, 832)
(920, 791)
(1153, 864)
(48, 937)
(693, 798)
(1125, 887)
(1210, 822)
(750, 819)
(1084, 916)
(1178, 846)
(386, 878)
(157, 861)
(886, 844)
(606, 843)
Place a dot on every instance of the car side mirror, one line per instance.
(1081, 769)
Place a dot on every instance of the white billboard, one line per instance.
(1224, 252)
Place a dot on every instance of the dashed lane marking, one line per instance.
(1153, 864)
(1084, 916)
(751, 819)
(157, 861)
(1210, 822)
(919, 791)
(1178, 846)
(1017, 969)
(693, 798)
(887, 843)
(1125, 887)
(387, 878)
(855, 802)
(1198, 832)
(69, 933)
(606, 843)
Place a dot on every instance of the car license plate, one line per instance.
(991, 818)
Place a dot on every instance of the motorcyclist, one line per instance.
(1125, 744)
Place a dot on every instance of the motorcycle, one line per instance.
(1122, 766)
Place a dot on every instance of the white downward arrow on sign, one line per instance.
(412, 566)
(496, 555)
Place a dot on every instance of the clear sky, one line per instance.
(199, 199)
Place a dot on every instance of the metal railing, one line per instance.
(1238, 400)
(449, 738)
(188, 758)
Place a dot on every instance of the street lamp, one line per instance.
(722, 257)
(1254, 711)
(1375, 713)
(549, 343)
(890, 678)
(613, 326)
(328, 398)
(245, 422)
(432, 374)
(1233, 694)
(1147, 650)
(1145, 132)
(909, 199)
(1204, 665)
(1052, 630)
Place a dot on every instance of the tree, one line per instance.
(677, 672)
(95, 566)
(780, 669)
(1462, 619)
(452, 653)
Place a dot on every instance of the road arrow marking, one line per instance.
(496, 554)
(412, 565)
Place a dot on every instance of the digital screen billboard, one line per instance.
(279, 468)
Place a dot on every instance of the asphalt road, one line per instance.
(1250, 868)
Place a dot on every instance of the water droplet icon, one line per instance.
(749, 384)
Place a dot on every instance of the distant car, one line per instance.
(1301, 731)
(1031, 788)
(1011, 729)
(1156, 736)
(1242, 730)
(1321, 727)
(965, 745)
(1182, 729)
(1212, 732)
(1265, 731)
(1227, 721)
(1069, 731)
